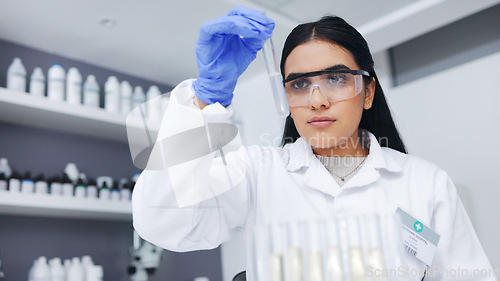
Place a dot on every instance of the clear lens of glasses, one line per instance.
(333, 86)
(354, 248)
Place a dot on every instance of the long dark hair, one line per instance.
(377, 119)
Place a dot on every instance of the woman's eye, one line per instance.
(336, 78)
(300, 84)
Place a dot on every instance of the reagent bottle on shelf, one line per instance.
(91, 92)
(112, 95)
(16, 76)
(74, 86)
(37, 82)
(56, 81)
(126, 97)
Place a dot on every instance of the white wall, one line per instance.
(255, 112)
(452, 119)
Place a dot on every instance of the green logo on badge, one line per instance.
(418, 226)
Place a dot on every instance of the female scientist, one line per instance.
(342, 155)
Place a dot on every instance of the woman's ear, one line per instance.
(369, 94)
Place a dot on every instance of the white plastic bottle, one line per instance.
(5, 168)
(138, 97)
(91, 92)
(154, 103)
(27, 184)
(87, 262)
(125, 190)
(72, 171)
(76, 271)
(67, 266)
(56, 187)
(126, 194)
(57, 272)
(126, 97)
(80, 189)
(104, 183)
(115, 193)
(87, 265)
(41, 270)
(16, 76)
(92, 190)
(37, 82)
(74, 86)
(104, 192)
(112, 95)
(94, 273)
(41, 186)
(15, 183)
(56, 82)
(67, 187)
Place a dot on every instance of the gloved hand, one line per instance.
(225, 48)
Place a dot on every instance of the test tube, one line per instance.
(356, 258)
(375, 257)
(260, 253)
(295, 268)
(277, 251)
(334, 255)
(275, 79)
(314, 267)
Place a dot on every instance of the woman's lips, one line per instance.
(322, 121)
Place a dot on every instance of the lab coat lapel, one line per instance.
(316, 176)
(366, 175)
(377, 160)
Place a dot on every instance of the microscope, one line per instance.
(145, 259)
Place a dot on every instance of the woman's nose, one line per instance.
(317, 99)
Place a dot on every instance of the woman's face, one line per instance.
(339, 128)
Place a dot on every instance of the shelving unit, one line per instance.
(24, 109)
(63, 207)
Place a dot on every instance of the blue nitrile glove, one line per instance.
(225, 48)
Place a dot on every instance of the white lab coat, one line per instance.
(290, 183)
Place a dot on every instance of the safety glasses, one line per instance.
(334, 85)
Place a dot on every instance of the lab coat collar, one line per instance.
(301, 155)
(378, 159)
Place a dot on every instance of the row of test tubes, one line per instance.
(328, 250)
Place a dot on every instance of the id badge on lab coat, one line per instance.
(419, 240)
